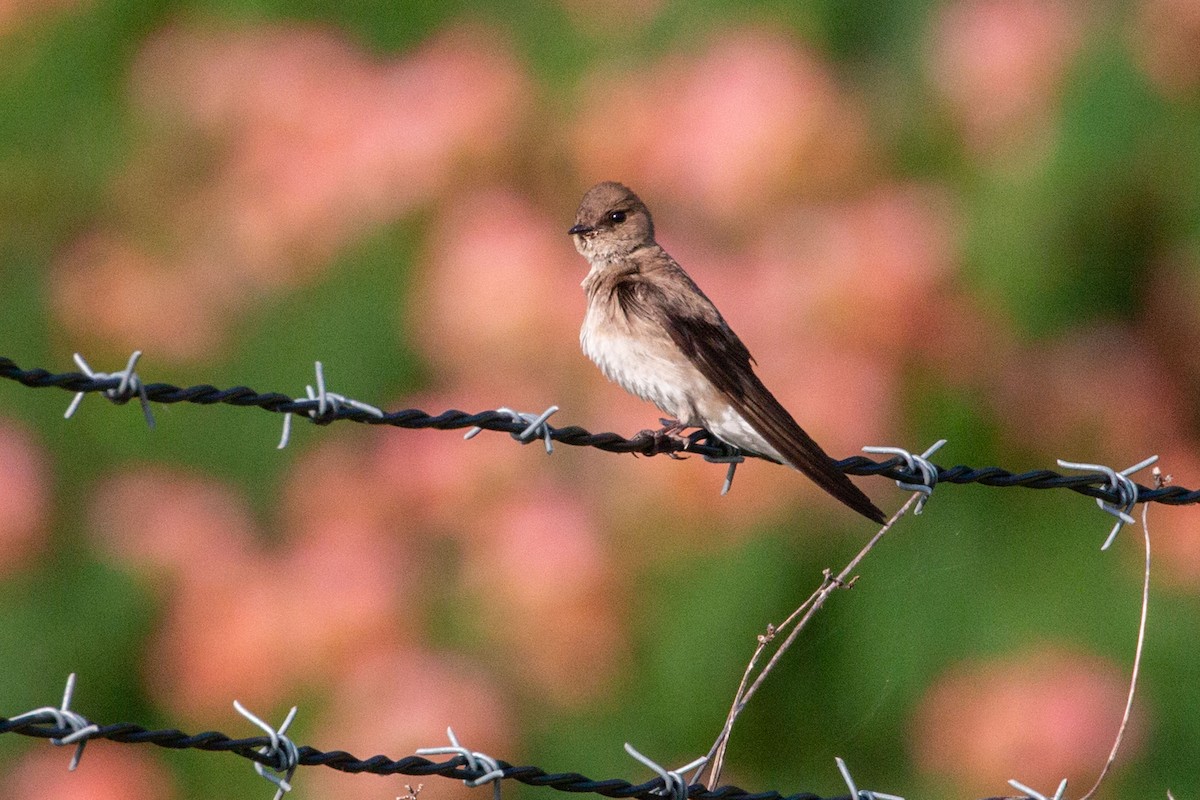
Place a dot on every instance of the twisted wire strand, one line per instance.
(455, 768)
(1091, 485)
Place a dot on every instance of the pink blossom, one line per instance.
(498, 289)
(108, 771)
(1173, 530)
(394, 702)
(731, 131)
(1166, 43)
(106, 287)
(323, 140)
(172, 522)
(1040, 716)
(15, 14)
(225, 635)
(1098, 395)
(300, 142)
(547, 594)
(999, 65)
(24, 496)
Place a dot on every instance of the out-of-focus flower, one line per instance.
(309, 143)
(225, 630)
(16, 13)
(353, 143)
(966, 340)
(396, 702)
(172, 521)
(325, 141)
(106, 287)
(547, 595)
(1101, 393)
(245, 621)
(863, 273)
(751, 119)
(1174, 532)
(1171, 313)
(107, 772)
(999, 65)
(24, 496)
(224, 636)
(347, 559)
(1039, 716)
(1166, 43)
(500, 292)
(436, 482)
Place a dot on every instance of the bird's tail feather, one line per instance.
(776, 425)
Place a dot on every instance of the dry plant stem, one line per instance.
(716, 754)
(808, 608)
(1137, 662)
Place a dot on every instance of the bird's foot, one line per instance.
(704, 437)
(667, 438)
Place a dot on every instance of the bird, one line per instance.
(650, 329)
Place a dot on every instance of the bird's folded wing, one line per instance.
(715, 350)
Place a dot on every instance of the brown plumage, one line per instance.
(650, 329)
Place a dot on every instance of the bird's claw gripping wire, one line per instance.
(731, 455)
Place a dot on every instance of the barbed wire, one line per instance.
(267, 752)
(328, 408)
(276, 757)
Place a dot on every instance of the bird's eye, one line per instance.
(617, 216)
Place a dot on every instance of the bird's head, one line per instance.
(611, 222)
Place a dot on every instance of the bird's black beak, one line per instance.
(581, 229)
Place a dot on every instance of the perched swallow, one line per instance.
(650, 329)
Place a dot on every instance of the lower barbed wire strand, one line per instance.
(213, 741)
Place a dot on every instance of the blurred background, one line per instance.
(977, 220)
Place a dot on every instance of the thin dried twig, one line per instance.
(803, 613)
(1137, 658)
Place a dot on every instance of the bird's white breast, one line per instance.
(644, 363)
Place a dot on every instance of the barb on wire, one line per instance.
(281, 750)
(537, 427)
(489, 772)
(128, 385)
(855, 792)
(1121, 485)
(1036, 795)
(674, 785)
(63, 718)
(919, 466)
(1095, 485)
(328, 404)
